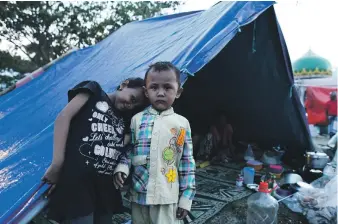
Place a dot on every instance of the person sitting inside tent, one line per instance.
(217, 143)
(222, 139)
(331, 112)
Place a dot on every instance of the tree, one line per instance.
(44, 30)
(15, 63)
(12, 68)
(6, 81)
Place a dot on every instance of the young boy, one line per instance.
(163, 167)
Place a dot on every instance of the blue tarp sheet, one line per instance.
(190, 40)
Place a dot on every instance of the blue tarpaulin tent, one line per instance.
(233, 56)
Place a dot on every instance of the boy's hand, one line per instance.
(119, 179)
(181, 213)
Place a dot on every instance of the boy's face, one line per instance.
(162, 89)
(129, 98)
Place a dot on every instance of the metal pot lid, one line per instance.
(317, 154)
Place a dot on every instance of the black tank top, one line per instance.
(93, 149)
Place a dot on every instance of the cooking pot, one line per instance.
(316, 160)
(290, 178)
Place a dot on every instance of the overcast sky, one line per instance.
(305, 24)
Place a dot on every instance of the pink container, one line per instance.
(275, 168)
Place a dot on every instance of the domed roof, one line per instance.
(311, 65)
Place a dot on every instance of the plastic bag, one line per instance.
(333, 141)
(293, 204)
(270, 159)
(330, 190)
(330, 170)
(315, 200)
(323, 215)
(249, 155)
(324, 193)
(323, 202)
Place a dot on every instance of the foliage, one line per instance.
(44, 30)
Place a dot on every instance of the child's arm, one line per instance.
(124, 159)
(61, 128)
(127, 139)
(187, 173)
(122, 170)
(125, 162)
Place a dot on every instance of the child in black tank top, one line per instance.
(89, 138)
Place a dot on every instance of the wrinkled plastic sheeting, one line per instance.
(317, 200)
(321, 202)
(322, 215)
(324, 193)
(27, 114)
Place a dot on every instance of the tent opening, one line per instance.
(248, 81)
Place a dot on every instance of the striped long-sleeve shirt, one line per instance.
(163, 167)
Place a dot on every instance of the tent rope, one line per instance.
(290, 91)
(254, 38)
